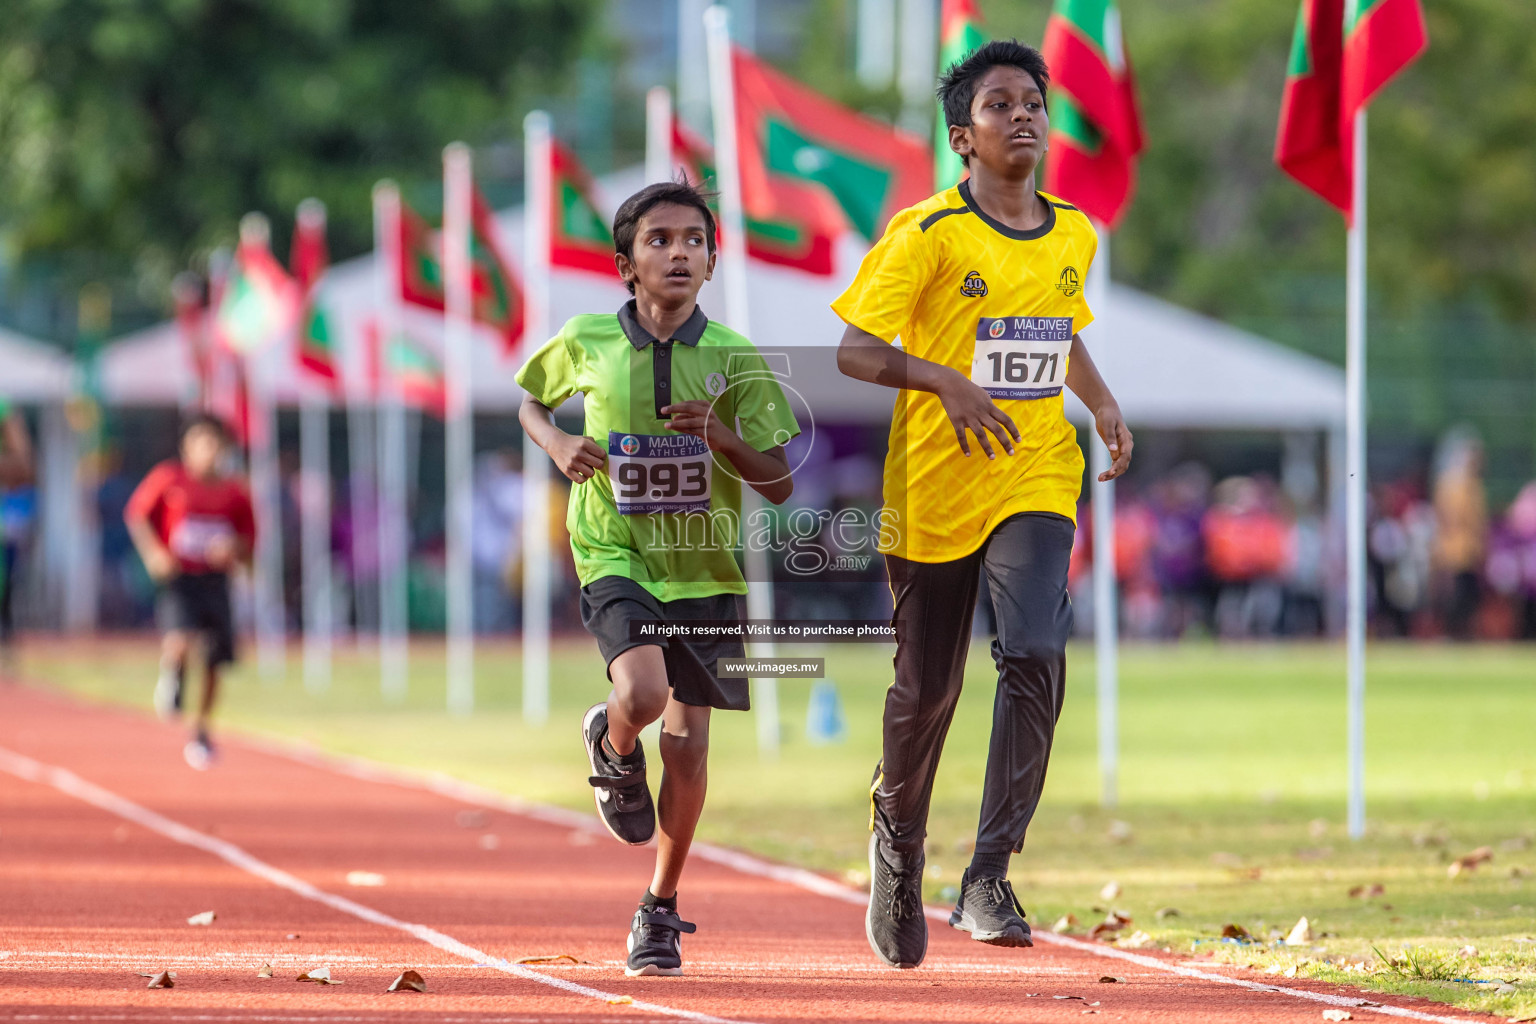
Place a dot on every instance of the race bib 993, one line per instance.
(659, 473)
(1022, 356)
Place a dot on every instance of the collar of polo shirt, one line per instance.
(689, 333)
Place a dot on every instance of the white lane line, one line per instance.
(73, 785)
(446, 785)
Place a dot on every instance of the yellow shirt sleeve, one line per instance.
(883, 297)
(550, 375)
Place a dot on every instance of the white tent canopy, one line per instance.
(32, 371)
(1168, 366)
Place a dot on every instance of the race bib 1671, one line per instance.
(659, 473)
(1022, 356)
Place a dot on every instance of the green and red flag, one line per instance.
(1342, 53)
(799, 241)
(1309, 145)
(1096, 131)
(788, 133)
(408, 365)
(959, 34)
(497, 295)
(308, 259)
(579, 236)
(420, 267)
(260, 302)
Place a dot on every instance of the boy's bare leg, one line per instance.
(173, 653)
(685, 761)
(639, 696)
(210, 695)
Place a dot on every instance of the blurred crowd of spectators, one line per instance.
(1240, 558)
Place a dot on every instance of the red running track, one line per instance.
(108, 843)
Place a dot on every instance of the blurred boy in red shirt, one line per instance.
(192, 524)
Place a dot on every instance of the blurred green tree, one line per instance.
(136, 132)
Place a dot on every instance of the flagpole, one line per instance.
(658, 135)
(1106, 618)
(315, 496)
(392, 523)
(1355, 471)
(459, 440)
(919, 44)
(733, 269)
(266, 488)
(537, 203)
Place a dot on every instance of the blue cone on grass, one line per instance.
(824, 722)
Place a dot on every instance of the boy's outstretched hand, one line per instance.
(697, 417)
(1117, 437)
(578, 456)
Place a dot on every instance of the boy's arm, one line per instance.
(863, 356)
(16, 468)
(577, 456)
(767, 472)
(1084, 380)
(156, 556)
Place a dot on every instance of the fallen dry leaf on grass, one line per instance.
(552, 958)
(206, 917)
(1164, 913)
(1365, 892)
(1111, 891)
(165, 979)
(1111, 924)
(1064, 924)
(320, 974)
(1120, 832)
(1338, 1015)
(408, 981)
(1236, 931)
(1300, 935)
(1470, 861)
(265, 972)
(1506, 989)
(365, 878)
(1138, 940)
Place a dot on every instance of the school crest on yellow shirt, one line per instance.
(1069, 284)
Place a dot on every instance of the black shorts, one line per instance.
(610, 604)
(199, 603)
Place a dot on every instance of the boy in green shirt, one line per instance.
(654, 520)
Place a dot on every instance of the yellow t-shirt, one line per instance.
(1001, 306)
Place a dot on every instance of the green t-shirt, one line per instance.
(666, 512)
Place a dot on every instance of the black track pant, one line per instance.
(1025, 564)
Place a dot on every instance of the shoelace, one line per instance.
(901, 895)
(998, 892)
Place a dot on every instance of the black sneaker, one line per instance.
(623, 798)
(990, 911)
(894, 922)
(655, 942)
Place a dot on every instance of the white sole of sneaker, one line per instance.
(869, 914)
(597, 798)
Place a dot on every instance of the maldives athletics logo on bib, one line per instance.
(999, 328)
(629, 444)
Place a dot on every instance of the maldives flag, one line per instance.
(1095, 125)
(1381, 37)
(959, 34)
(498, 298)
(1342, 53)
(800, 241)
(260, 302)
(420, 268)
(408, 365)
(579, 236)
(308, 259)
(788, 133)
